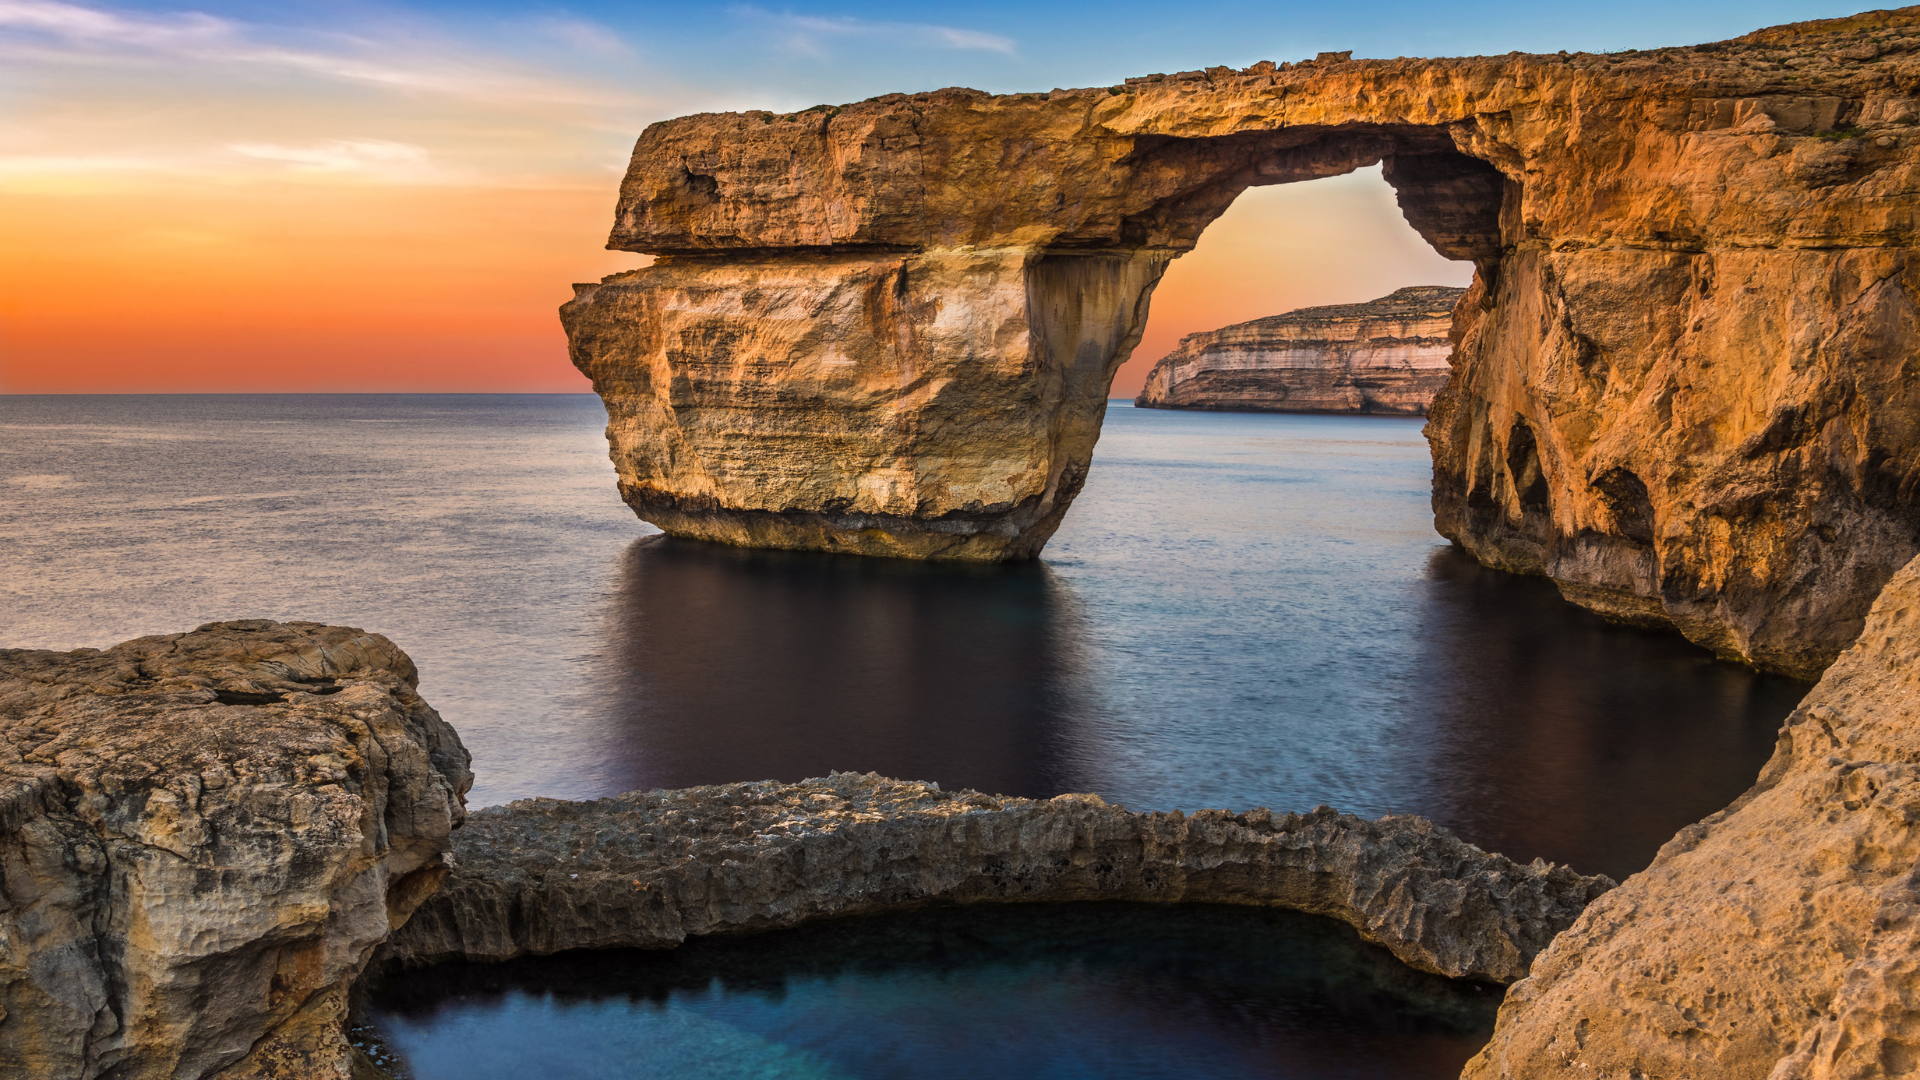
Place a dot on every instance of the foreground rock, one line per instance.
(202, 839)
(1680, 386)
(649, 869)
(1387, 356)
(1778, 938)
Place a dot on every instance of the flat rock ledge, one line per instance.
(203, 837)
(650, 869)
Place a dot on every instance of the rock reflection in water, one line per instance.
(1118, 991)
(743, 665)
(1243, 610)
(1550, 732)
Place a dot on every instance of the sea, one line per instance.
(1240, 610)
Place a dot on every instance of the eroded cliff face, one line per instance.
(203, 837)
(1779, 938)
(649, 869)
(1388, 356)
(1681, 383)
(937, 405)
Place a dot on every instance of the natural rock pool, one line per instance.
(1241, 610)
(1117, 991)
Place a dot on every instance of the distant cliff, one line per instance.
(1385, 356)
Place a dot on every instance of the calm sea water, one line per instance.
(1240, 610)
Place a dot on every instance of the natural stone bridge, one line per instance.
(1683, 384)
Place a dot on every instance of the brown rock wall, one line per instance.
(202, 839)
(1387, 356)
(649, 869)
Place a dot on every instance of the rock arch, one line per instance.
(889, 328)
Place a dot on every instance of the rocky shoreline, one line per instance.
(207, 836)
(1776, 938)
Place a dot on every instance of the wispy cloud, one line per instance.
(367, 157)
(53, 30)
(75, 23)
(583, 36)
(349, 160)
(99, 98)
(810, 34)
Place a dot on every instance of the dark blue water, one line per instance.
(1240, 610)
(1060, 992)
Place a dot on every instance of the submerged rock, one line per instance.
(649, 869)
(1681, 381)
(203, 837)
(1777, 938)
(1386, 356)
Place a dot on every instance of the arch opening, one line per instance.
(1247, 319)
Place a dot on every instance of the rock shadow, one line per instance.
(1551, 732)
(728, 664)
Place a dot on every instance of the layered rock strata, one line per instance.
(1387, 356)
(1680, 383)
(649, 869)
(203, 837)
(1778, 938)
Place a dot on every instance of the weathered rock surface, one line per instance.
(1681, 386)
(203, 837)
(1778, 938)
(649, 869)
(932, 405)
(1388, 356)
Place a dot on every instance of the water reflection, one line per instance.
(1118, 991)
(1552, 733)
(734, 665)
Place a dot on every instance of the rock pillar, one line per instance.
(934, 405)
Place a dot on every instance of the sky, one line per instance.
(252, 197)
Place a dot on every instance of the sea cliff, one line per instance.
(1387, 356)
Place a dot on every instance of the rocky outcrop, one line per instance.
(203, 837)
(1387, 356)
(1778, 938)
(1680, 383)
(649, 869)
(940, 404)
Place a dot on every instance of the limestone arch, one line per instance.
(887, 327)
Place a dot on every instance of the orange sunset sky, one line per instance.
(360, 198)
